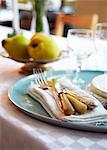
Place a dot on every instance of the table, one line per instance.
(19, 131)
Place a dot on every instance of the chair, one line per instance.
(83, 21)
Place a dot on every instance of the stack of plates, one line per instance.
(99, 88)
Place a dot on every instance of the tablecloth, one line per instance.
(18, 131)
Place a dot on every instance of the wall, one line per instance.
(93, 6)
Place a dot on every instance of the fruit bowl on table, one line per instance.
(38, 51)
(31, 60)
(30, 63)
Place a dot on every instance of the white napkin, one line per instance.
(45, 98)
(96, 114)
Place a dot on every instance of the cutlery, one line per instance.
(63, 103)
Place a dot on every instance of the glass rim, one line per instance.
(80, 30)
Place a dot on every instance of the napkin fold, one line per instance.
(48, 101)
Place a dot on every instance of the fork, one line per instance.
(41, 81)
(60, 98)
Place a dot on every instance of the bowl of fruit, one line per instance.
(36, 52)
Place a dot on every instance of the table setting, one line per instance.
(72, 103)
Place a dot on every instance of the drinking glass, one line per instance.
(80, 44)
(101, 41)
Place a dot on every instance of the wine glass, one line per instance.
(80, 44)
(101, 42)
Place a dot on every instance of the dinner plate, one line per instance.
(18, 95)
(99, 85)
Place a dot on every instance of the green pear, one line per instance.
(16, 46)
(43, 47)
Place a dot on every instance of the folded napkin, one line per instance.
(48, 101)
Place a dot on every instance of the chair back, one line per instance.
(83, 21)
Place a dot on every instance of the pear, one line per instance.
(16, 46)
(43, 47)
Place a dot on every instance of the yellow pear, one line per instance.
(43, 47)
(16, 46)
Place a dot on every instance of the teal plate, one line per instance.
(18, 95)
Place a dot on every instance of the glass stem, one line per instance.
(78, 68)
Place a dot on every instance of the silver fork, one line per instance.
(41, 81)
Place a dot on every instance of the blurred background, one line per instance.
(53, 9)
